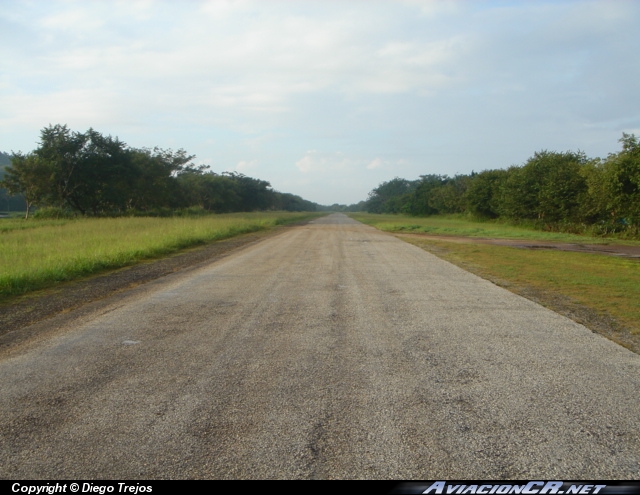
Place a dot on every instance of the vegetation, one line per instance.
(8, 203)
(605, 284)
(552, 191)
(39, 253)
(90, 174)
(361, 206)
(462, 225)
(609, 285)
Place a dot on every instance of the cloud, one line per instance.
(315, 162)
(245, 166)
(446, 86)
(253, 57)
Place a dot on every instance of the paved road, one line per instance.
(329, 351)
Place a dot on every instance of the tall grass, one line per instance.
(36, 254)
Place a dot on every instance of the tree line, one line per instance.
(8, 202)
(88, 173)
(556, 190)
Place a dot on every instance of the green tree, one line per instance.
(29, 176)
(291, 202)
(255, 194)
(621, 179)
(103, 175)
(483, 191)
(390, 196)
(210, 191)
(421, 199)
(449, 197)
(60, 149)
(8, 201)
(547, 187)
(155, 178)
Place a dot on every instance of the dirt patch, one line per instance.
(596, 321)
(608, 249)
(19, 312)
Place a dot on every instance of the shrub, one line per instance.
(53, 212)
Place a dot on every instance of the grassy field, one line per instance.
(39, 253)
(461, 226)
(607, 285)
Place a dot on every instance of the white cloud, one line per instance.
(77, 107)
(315, 162)
(435, 8)
(246, 166)
(337, 163)
(445, 85)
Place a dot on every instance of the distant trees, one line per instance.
(621, 179)
(360, 206)
(437, 194)
(483, 192)
(550, 188)
(94, 174)
(8, 201)
(391, 196)
(87, 171)
(28, 175)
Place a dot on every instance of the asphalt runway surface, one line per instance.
(331, 350)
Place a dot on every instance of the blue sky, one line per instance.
(326, 99)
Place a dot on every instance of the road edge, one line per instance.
(22, 311)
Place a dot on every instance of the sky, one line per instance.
(326, 99)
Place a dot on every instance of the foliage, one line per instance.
(53, 212)
(389, 197)
(28, 175)
(5, 159)
(547, 187)
(463, 225)
(553, 190)
(621, 179)
(98, 175)
(8, 202)
(360, 206)
(483, 191)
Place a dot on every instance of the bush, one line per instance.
(53, 212)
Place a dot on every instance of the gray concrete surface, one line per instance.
(329, 351)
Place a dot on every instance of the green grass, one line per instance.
(606, 284)
(456, 225)
(11, 224)
(36, 254)
(10, 215)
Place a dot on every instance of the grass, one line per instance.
(457, 225)
(11, 214)
(605, 284)
(36, 254)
